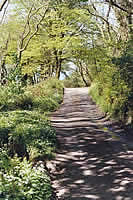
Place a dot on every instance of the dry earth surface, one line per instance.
(93, 159)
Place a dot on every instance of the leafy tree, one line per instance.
(62, 31)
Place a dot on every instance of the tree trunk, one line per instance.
(82, 74)
(58, 63)
(3, 72)
(59, 69)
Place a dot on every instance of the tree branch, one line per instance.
(3, 4)
(118, 6)
(4, 12)
(101, 17)
(36, 30)
(108, 13)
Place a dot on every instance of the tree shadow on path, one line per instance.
(89, 163)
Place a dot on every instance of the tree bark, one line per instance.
(3, 72)
(58, 62)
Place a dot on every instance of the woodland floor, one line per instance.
(94, 160)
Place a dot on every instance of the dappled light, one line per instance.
(49, 48)
(90, 163)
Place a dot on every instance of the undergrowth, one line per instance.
(20, 181)
(73, 81)
(26, 139)
(44, 96)
(112, 83)
(111, 100)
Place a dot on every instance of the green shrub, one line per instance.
(112, 85)
(4, 98)
(55, 84)
(10, 100)
(45, 104)
(25, 130)
(73, 81)
(24, 101)
(113, 99)
(45, 96)
(21, 181)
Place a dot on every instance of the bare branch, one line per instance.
(3, 4)
(101, 17)
(24, 36)
(34, 33)
(108, 13)
(120, 7)
(104, 19)
(4, 12)
(27, 24)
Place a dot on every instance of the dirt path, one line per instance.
(90, 164)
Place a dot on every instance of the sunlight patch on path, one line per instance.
(92, 162)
